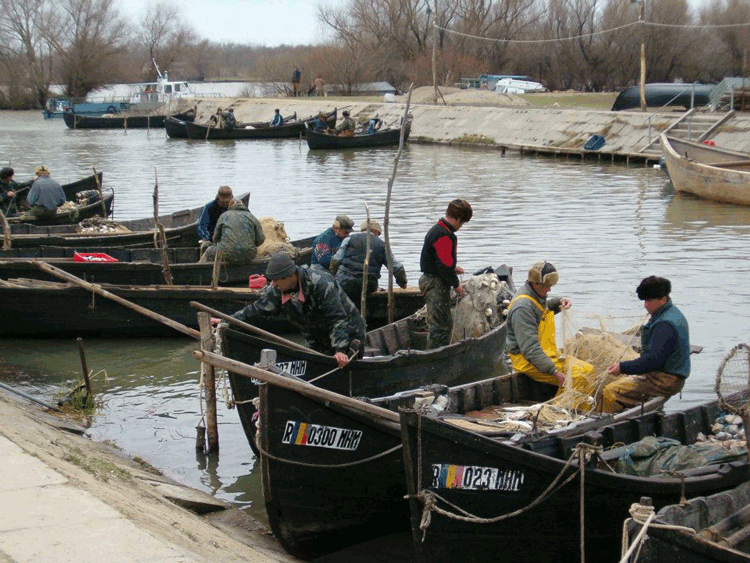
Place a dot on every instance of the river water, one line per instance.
(604, 226)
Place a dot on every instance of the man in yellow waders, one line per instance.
(531, 341)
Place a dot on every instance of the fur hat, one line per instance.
(653, 287)
(41, 170)
(345, 113)
(280, 266)
(6, 172)
(544, 272)
(344, 223)
(374, 226)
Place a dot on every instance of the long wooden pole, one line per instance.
(6, 232)
(62, 274)
(84, 367)
(259, 331)
(386, 220)
(160, 235)
(434, 54)
(365, 267)
(644, 106)
(207, 344)
(301, 387)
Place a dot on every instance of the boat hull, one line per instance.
(74, 121)
(389, 137)
(699, 173)
(288, 130)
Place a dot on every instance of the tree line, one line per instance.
(591, 45)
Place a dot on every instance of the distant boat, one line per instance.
(664, 94)
(707, 172)
(75, 121)
(383, 137)
(290, 129)
(515, 86)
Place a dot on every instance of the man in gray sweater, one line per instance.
(45, 196)
(531, 342)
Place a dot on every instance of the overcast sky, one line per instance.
(261, 22)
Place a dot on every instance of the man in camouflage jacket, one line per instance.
(312, 300)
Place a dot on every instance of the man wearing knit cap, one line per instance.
(348, 263)
(312, 300)
(327, 243)
(211, 213)
(531, 342)
(665, 352)
(440, 271)
(45, 196)
(8, 191)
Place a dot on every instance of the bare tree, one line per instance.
(86, 36)
(165, 37)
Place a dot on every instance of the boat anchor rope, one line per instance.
(326, 465)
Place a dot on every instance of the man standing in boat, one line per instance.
(211, 213)
(46, 195)
(665, 352)
(440, 271)
(328, 242)
(348, 263)
(531, 342)
(312, 300)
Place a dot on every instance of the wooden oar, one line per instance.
(62, 274)
(297, 385)
(259, 331)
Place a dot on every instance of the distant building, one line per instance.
(362, 89)
(487, 81)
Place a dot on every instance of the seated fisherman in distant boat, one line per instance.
(664, 364)
(8, 192)
(237, 236)
(374, 124)
(530, 340)
(216, 120)
(45, 195)
(278, 120)
(326, 244)
(320, 123)
(312, 300)
(349, 262)
(211, 213)
(347, 127)
(229, 120)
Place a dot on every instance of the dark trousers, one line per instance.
(42, 213)
(437, 298)
(353, 288)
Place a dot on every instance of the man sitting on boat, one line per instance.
(347, 127)
(229, 121)
(665, 352)
(349, 262)
(8, 192)
(211, 213)
(320, 123)
(312, 300)
(237, 236)
(374, 125)
(278, 121)
(530, 340)
(326, 244)
(46, 195)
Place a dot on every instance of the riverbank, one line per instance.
(67, 498)
(629, 135)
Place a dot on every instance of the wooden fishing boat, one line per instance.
(537, 486)
(179, 228)
(291, 129)
(71, 215)
(65, 309)
(176, 127)
(712, 529)
(383, 137)
(135, 266)
(333, 474)
(75, 121)
(707, 172)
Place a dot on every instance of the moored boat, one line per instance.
(707, 172)
(290, 129)
(474, 498)
(136, 266)
(380, 138)
(75, 121)
(65, 309)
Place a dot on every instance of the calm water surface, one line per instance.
(605, 227)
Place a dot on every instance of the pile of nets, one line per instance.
(477, 312)
(99, 225)
(541, 417)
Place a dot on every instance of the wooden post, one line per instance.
(643, 56)
(101, 194)
(207, 345)
(160, 235)
(434, 55)
(386, 233)
(85, 368)
(365, 267)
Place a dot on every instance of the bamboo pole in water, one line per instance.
(160, 235)
(207, 344)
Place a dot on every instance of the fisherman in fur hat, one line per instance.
(665, 352)
(531, 342)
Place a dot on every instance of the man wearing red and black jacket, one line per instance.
(440, 271)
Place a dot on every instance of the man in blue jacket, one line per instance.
(665, 352)
(327, 243)
(211, 213)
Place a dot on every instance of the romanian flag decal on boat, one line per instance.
(306, 434)
(473, 477)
